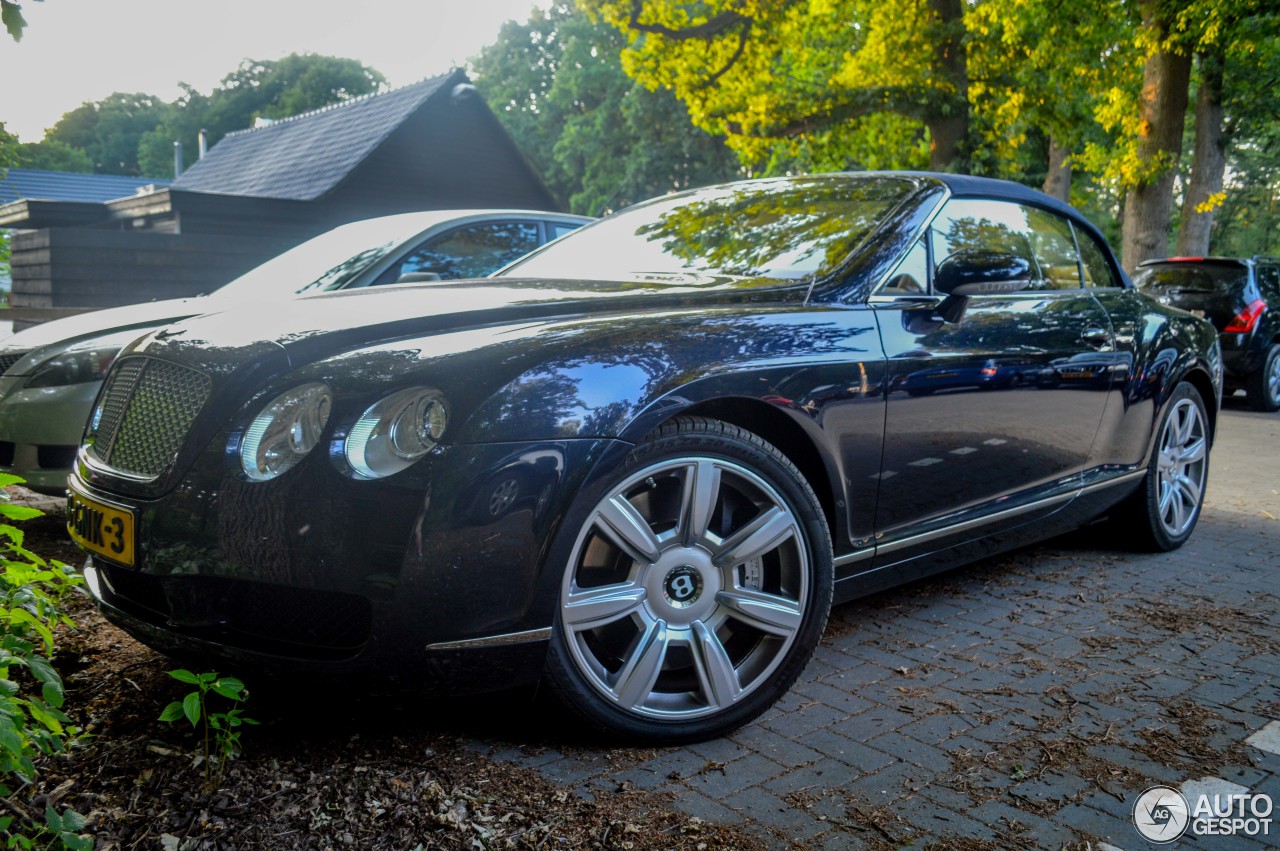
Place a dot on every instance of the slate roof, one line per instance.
(306, 156)
(31, 184)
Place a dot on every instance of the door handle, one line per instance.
(1096, 337)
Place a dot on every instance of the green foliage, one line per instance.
(221, 729)
(11, 17)
(600, 139)
(32, 723)
(277, 88)
(109, 130)
(53, 155)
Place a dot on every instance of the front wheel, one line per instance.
(1263, 386)
(696, 590)
(1162, 514)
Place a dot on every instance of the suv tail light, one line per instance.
(1246, 319)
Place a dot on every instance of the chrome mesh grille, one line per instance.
(9, 360)
(145, 413)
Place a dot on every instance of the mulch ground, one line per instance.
(326, 768)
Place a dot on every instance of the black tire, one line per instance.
(1146, 519)
(1263, 386)
(702, 614)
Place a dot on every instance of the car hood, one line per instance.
(316, 327)
(97, 322)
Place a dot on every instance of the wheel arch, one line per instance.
(1198, 377)
(783, 432)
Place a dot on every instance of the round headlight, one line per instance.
(285, 431)
(395, 431)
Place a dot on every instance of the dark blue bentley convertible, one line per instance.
(644, 460)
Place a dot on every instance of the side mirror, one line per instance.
(970, 272)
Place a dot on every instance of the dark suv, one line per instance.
(1242, 300)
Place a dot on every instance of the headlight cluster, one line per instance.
(285, 431)
(395, 431)
(76, 366)
(390, 435)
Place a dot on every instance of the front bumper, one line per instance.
(315, 571)
(40, 428)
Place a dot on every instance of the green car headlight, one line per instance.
(284, 431)
(395, 431)
(76, 366)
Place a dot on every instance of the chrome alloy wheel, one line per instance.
(1273, 380)
(1181, 467)
(686, 588)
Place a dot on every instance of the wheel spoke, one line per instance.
(1186, 422)
(635, 680)
(1179, 516)
(767, 612)
(598, 606)
(765, 532)
(620, 521)
(1193, 451)
(1190, 490)
(719, 680)
(1166, 497)
(701, 491)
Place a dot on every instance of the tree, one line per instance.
(820, 82)
(277, 88)
(109, 130)
(600, 139)
(52, 155)
(1041, 71)
(11, 17)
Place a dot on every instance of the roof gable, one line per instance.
(34, 184)
(307, 156)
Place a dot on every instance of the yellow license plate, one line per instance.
(105, 530)
(1077, 375)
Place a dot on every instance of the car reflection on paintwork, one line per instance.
(1096, 370)
(987, 374)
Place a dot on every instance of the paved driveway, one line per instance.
(1021, 702)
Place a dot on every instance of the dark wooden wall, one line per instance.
(104, 268)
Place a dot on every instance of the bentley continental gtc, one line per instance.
(643, 461)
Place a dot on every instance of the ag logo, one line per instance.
(1161, 814)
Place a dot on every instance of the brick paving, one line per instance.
(1023, 702)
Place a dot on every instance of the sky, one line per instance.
(83, 50)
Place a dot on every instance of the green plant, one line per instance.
(221, 729)
(32, 723)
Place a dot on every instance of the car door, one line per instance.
(989, 419)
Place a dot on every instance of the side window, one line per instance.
(1269, 280)
(912, 275)
(559, 229)
(1097, 271)
(981, 226)
(1055, 250)
(473, 251)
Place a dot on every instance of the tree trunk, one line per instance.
(949, 125)
(1058, 181)
(1209, 161)
(1163, 110)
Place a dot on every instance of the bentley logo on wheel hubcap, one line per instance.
(683, 585)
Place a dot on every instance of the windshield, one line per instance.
(329, 261)
(785, 229)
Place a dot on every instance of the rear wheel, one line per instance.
(1162, 514)
(1263, 386)
(696, 590)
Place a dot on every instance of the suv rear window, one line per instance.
(1199, 279)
